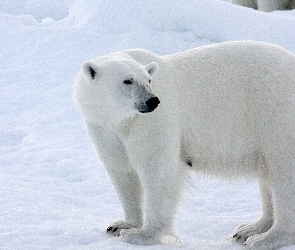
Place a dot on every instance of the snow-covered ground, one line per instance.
(54, 194)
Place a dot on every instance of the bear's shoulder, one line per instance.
(142, 56)
(115, 56)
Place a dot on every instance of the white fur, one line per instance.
(226, 109)
(266, 5)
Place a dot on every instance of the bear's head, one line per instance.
(117, 88)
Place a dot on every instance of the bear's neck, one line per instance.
(121, 126)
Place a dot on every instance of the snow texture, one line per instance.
(54, 193)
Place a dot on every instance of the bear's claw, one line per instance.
(112, 229)
(116, 227)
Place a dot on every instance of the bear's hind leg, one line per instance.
(272, 5)
(291, 5)
(246, 3)
(243, 232)
(281, 174)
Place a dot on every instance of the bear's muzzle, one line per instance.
(150, 105)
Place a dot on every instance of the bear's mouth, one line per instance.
(144, 109)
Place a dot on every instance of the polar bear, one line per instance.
(266, 5)
(225, 109)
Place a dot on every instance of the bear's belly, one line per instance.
(223, 164)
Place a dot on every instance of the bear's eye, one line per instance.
(128, 81)
(150, 81)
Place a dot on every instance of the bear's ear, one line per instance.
(91, 71)
(152, 68)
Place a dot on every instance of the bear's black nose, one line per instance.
(152, 103)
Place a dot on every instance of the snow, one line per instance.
(54, 193)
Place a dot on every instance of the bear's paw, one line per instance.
(116, 227)
(243, 232)
(138, 237)
(272, 239)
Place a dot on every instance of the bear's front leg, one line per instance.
(129, 192)
(111, 151)
(162, 185)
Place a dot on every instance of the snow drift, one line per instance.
(54, 194)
